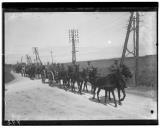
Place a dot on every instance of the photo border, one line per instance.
(74, 7)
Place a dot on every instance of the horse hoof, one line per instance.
(120, 103)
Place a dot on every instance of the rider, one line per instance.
(62, 67)
(115, 68)
(58, 67)
(89, 67)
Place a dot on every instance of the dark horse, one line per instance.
(111, 82)
(44, 74)
(85, 75)
(122, 75)
(50, 76)
(75, 76)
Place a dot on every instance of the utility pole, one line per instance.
(137, 49)
(52, 56)
(127, 38)
(73, 38)
(132, 26)
(37, 60)
(21, 59)
(29, 61)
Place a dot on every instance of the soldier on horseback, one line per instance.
(116, 68)
(89, 67)
(62, 68)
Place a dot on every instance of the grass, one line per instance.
(8, 76)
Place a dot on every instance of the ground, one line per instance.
(27, 99)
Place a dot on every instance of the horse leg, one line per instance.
(68, 84)
(92, 89)
(98, 94)
(124, 94)
(94, 92)
(86, 86)
(50, 82)
(78, 84)
(118, 90)
(114, 97)
(109, 96)
(65, 85)
(73, 87)
(63, 82)
(80, 88)
(105, 96)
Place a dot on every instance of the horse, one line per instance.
(80, 80)
(18, 68)
(50, 76)
(44, 75)
(85, 75)
(38, 69)
(77, 76)
(125, 74)
(107, 83)
(110, 83)
(31, 71)
(23, 71)
(70, 74)
(63, 75)
(73, 77)
(92, 75)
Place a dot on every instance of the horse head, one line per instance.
(126, 71)
(93, 73)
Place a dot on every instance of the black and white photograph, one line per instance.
(80, 65)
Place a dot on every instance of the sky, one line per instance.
(101, 35)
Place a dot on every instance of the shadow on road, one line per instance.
(102, 101)
(61, 86)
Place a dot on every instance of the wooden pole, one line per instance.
(137, 48)
(134, 44)
(52, 56)
(73, 49)
(126, 39)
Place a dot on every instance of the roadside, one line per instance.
(8, 75)
(143, 91)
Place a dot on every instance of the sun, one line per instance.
(109, 42)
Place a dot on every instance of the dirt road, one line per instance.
(27, 99)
